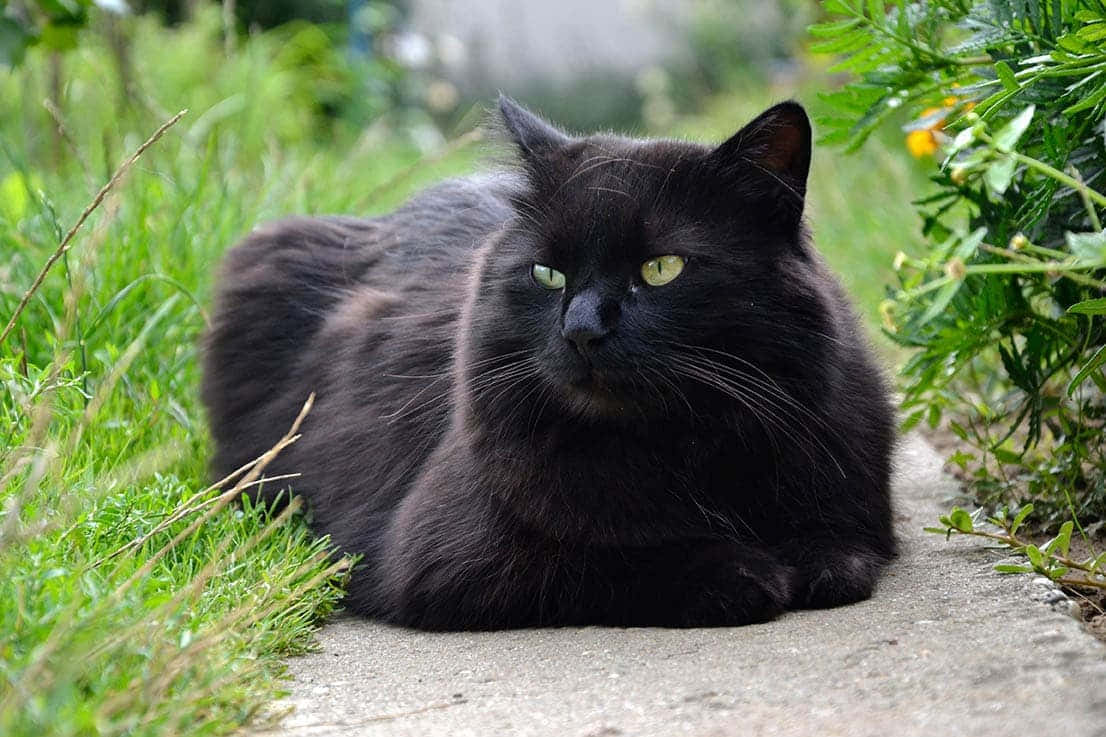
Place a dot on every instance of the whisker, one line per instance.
(487, 377)
(780, 405)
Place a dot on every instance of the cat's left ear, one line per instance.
(773, 151)
(535, 138)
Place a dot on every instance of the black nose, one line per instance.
(583, 337)
(586, 320)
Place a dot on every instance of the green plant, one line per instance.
(1004, 308)
(53, 24)
(1052, 558)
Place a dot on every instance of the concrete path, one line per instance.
(946, 647)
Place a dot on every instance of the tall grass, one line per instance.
(134, 598)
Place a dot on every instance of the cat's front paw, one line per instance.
(739, 594)
(836, 580)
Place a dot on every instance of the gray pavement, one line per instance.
(946, 647)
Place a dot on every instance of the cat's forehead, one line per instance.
(600, 159)
(616, 194)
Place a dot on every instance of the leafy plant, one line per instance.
(1004, 309)
(51, 23)
(1051, 559)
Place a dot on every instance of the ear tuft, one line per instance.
(533, 136)
(778, 142)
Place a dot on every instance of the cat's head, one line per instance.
(648, 278)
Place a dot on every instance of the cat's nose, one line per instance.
(586, 320)
(584, 337)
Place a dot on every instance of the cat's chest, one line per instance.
(613, 469)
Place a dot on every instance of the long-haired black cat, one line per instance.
(617, 386)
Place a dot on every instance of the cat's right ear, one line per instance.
(768, 161)
(535, 138)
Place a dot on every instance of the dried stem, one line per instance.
(63, 131)
(66, 242)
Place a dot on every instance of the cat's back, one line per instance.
(335, 305)
(437, 231)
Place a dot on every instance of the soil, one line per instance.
(1092, 602)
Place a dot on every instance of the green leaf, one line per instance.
(838, 6)
(843, 44)
(1035, 557)
(14, 197)
(970, 244)
(1020, 517)
(828, 30)
(940, 301)
(1009, 134)
(1006, 456)
(961, 459)
(911, 421)
(999, 174)
(14, 40)
(1090, 307)
(1074, 44)
(1007, 568)
(1093, 364)
(961, 520)
(59, 37)
(1006, 76)
(1062, 541)
(1092, 32)
(1089, 248)
(963, 139)
(1089, 101)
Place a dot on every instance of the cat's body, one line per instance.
(711, 451)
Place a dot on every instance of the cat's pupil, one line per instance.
(659, 271)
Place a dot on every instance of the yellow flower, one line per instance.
(921, 143)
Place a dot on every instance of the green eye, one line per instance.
(548, 277)
(660, 270)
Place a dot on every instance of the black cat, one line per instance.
(617, 386)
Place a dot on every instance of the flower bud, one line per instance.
(955, 269)
(887, 315)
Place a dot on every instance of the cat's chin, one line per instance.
(597, 402)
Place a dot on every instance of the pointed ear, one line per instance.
(534, 137)
(777, 146)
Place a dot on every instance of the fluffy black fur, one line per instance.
(712, 452)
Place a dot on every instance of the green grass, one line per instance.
(103, 439)
(102, 434)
